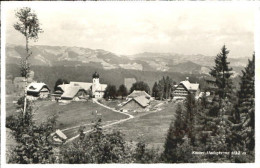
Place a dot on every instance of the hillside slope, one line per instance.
(78, 56)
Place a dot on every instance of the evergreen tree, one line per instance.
(221, 74)
(155, 90)
(191, 110)
(122, 91)
(97, 147)
(175, 137)
(142, 86)
(246, 104)
(161, 89)
(110, 92)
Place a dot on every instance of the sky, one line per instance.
(130, 28)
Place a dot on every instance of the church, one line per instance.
(98, 89)
(70, 91)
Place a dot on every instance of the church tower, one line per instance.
(96, 83)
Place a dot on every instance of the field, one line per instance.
(151, 128)
(72, 115)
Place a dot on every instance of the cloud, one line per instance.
(129, 29)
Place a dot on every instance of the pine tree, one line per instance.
(222, 73)
(175, 135)
(155, 90)
(246, 104)
(122, 91)
(161, 89)
(191, 110)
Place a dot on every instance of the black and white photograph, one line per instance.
(128, 83)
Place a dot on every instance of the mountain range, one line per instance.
(77, 56)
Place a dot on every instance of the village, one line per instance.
(128, 86)
(135, 103)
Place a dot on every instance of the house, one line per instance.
(184, 88)
(38, 90)
(136, 101)
(136, 104)
(59, 137)
(75, 93)
(96, 88)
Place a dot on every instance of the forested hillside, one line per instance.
(50, 74)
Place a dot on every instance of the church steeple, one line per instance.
(95, 75)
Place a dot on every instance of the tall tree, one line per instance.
(161, 89)
(28, 25)
(155, 90)
(191, 111)
(140, 86)
(110, 92)
(175, 137)
(246, 104)
(222, 73)
(122, 91)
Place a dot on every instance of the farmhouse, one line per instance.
(74, 93)
(136, 104)
(97, 90)
(137, 101)
(184, 88)
(38, 90)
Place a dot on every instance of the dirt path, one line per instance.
(108, 125)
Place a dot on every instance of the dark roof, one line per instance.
(141, 100)
(71, 91)
(95, 75)
(137, 93)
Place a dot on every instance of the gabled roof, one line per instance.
(61, 134)
(71, 91)
(190, 86)
(141, 100)
(137, 93)
(84, 85)
(36, 87)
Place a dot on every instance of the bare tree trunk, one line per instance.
(26, 75)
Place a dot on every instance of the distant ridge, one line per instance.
(45, 55)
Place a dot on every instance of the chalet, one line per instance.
(38, 90)
(184, 88)
(136, 104)
(75, 93)
(136, 101)
(96, 88)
